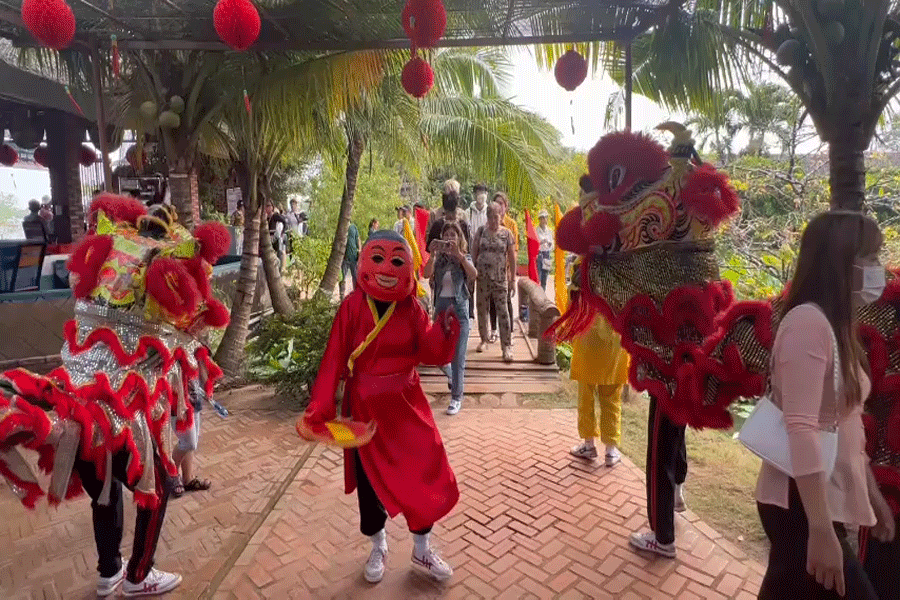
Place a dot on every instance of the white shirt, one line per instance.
(447, 285)
(545, 238)
(477, 218)
(398, 226)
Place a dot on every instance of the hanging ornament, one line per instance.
(571, 70)
(237, 22)
(50, 21)
(8, 155)
(424, 22)
(247, 102)
(115, 56)
(87, 157)
(74, 101)
(41, 157)
(417, 77)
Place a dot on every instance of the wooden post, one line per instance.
(542, 312)
(101, 118)
(629, 75)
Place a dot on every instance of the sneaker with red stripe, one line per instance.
(648, 543)
(432, 564)
(156, 582)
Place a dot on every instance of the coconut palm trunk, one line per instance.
(847, 176)
(230, 353)
(281, 302)
(355, 147)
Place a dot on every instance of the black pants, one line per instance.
(786, 576)
(882, 564)
(108, 520)
(666, 468)
(372, 515)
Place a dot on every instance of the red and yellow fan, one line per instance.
(342, 433)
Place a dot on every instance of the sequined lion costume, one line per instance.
(142, 287)
(644, 226)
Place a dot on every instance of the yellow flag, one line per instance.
(559, 262)
(417, 256)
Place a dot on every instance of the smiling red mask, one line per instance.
(386, 267)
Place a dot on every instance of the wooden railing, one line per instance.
(542, 312)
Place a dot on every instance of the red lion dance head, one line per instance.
(644, 226)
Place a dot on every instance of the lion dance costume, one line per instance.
(644, 225)
(380, 335)
(142, 288)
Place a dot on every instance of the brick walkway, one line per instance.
(532, 523)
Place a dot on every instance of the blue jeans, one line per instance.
(542, 274)
(458, 366)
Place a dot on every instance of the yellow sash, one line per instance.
(379, 325)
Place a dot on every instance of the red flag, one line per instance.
(421, 217)
(533, 247)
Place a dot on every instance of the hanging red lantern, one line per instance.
(8, 155)
(237, 22)
(41, 157)
(424, 22)
(50, 21)
(571, 70)
(417, 77)
(88, 157)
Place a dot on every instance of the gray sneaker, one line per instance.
(455, 405)
(375, 565)
(585, 451)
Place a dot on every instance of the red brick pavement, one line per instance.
(532, 523)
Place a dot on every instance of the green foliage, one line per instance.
(377, 196)
(10, 217)
(564, 356)
(306, 265)
(288, 350)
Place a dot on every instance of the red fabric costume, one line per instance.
(405, 461)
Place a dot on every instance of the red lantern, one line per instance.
(424, 22)
(40, 156)
(50, 21)
(237, 22)
(8, 156)
(571, 70)
(88, 156)
(417, 77)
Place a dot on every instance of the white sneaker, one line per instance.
(680, 505)
(612, 456)
(648, 543)
(454, 407)
(507, 354)
(430, 563)
(481, 346)
(106, 586)
(585, 451)
(156, 582)
(375, 565)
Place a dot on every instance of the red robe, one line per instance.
(405, 461)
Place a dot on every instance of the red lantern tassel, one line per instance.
(115, 57)
(247, 102)
(75, 102)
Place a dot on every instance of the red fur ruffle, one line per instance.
(170, 283)
(707, 194)
(86, 262)
(118, 208)
(214, 240)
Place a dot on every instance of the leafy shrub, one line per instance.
(288, 350)
(564, 356)
(307, 264)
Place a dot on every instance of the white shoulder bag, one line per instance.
(764, 432)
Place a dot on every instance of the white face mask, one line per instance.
(872, 283)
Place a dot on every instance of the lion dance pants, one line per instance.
(666, 468)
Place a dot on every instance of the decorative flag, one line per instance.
(421, 216)
(418, 263)
(559, 262)
(533, 247)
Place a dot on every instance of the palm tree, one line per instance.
(463, 121)
(837, 57)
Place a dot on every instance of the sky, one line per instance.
(531, 88)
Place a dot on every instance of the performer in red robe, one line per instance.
(379, 336)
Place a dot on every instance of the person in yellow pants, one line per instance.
(600, 366)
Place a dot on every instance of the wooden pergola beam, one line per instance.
(616, 35)
(114, 19)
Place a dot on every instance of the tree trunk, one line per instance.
(355, 147)
(185, 194)
(230, 353)
(281, 302)
(847, 166)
